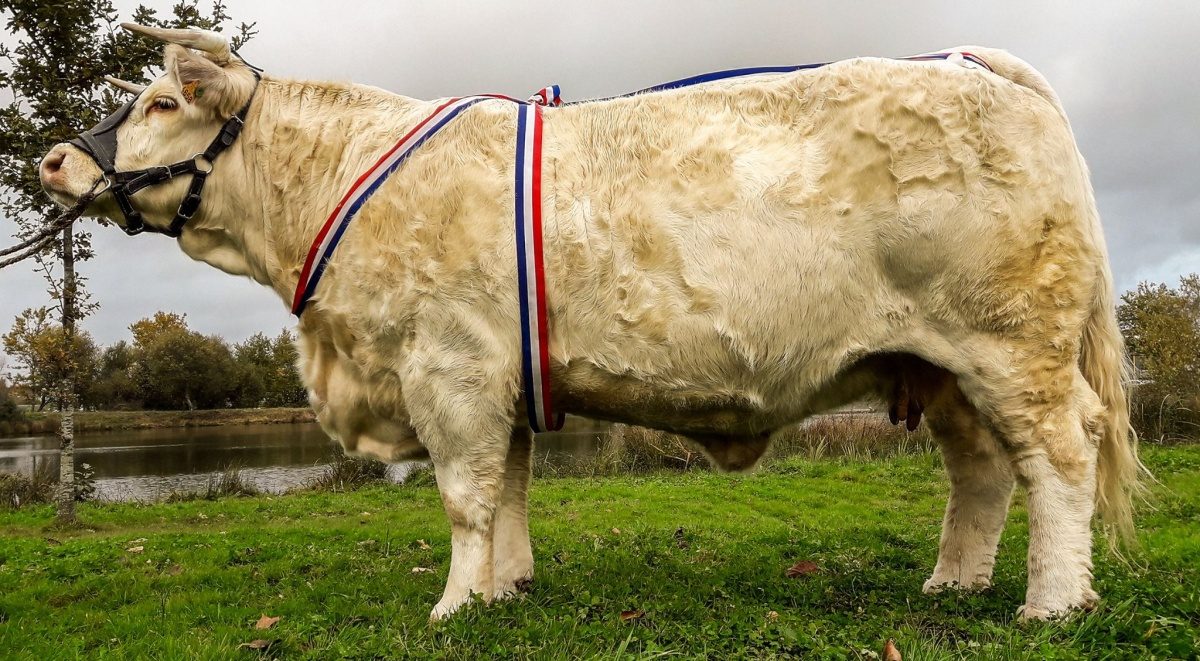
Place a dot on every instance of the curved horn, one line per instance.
(125, 85)
(202, 40)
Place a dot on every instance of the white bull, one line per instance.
(721, 261)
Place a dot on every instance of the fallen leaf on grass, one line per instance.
(421, 544)
(135, 549)
(265, 622)
(259, 644)
(422, 570)
(772, 615)
(616, 531)
(890, 653)
(635, 614)
(802, 568)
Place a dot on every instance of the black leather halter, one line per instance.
(100, 142)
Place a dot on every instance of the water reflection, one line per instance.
(147, 464)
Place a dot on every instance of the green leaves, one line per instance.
(1162, 330)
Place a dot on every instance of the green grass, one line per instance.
(337, 567)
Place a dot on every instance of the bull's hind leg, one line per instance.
(980, 488)
(513, 558)
(1051, 422)
(1059, 473)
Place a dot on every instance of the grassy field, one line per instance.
(85, 421)
(672, 564)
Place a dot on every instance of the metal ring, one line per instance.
(198, 159)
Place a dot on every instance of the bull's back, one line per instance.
(754, 236)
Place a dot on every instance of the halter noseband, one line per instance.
(100, 142)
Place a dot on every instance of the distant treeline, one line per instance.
(163, 366)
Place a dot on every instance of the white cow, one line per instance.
(722, 261)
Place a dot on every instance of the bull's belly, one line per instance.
(707, 410)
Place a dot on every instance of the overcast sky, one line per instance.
(1126, 72)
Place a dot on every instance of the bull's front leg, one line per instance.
(463, 414)
(513, 556)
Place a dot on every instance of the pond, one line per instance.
(153, 463)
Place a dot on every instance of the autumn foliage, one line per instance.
(1161, 325)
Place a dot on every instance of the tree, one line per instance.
(45, 355)
(254, 363)
(285, 386)
(114, 387)
(1162, 330)
(53, 77)
(9, 411)
(146, 330)
(177, 368)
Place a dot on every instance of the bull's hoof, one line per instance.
(525, 585)
(936, 585)
(1038, 614)
(442, 611)
(449, 606)
(520, 586)
(1087, 604)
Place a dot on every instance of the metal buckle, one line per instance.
(199, 158)
(192, 199)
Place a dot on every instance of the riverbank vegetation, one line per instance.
(691, 564)
(95, 421)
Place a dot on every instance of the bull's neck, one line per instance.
(304, 145)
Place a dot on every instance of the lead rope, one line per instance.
(46, 236)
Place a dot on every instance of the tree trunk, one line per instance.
(66, 433)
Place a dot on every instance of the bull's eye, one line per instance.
(164, 103)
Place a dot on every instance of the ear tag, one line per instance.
(190, 91)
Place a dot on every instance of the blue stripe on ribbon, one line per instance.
(727, 74)
(523, 275)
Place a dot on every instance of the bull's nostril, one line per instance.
(53, 162)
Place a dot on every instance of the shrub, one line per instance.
(228, 482)
(17, 490)
(344, 473)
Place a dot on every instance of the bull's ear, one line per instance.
(224, 89)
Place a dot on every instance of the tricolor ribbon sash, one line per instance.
(531, 272)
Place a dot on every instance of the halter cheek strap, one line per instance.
(100, 142)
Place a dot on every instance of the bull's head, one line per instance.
(172, 120)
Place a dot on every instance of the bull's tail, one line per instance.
(1103, 360)
(1108, 371)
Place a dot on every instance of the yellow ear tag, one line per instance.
(189, 91)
